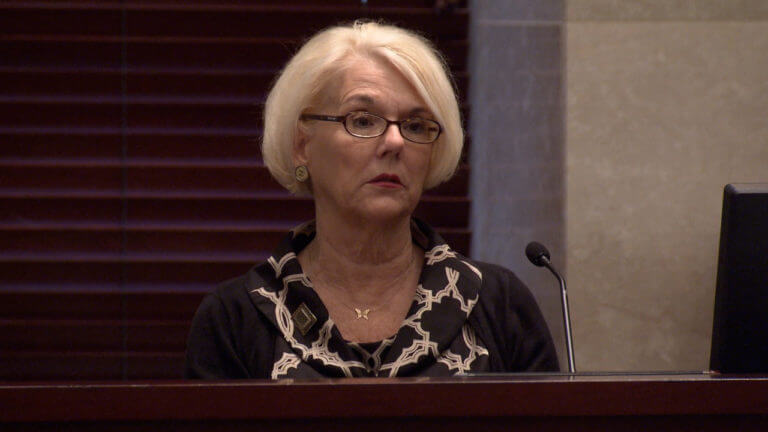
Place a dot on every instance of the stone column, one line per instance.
(517, 141)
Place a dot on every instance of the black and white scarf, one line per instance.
(435, 339)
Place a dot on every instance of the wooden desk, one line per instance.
(537, 403)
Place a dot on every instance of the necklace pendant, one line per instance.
(362, 313)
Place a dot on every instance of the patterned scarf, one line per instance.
(435, 339)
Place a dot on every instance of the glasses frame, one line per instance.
(399, 123)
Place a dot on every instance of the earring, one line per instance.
(301, 173)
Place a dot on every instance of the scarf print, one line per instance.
(435, 339)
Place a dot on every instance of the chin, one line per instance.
(387, 210)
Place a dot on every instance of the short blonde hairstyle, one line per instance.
(330, 51)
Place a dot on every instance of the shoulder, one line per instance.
(228, 300)
(232, 296)
(228, 337)
(225, 311)
(509, 313)
(500, 283)
(504, 296)
(232, 290)
(495, 275)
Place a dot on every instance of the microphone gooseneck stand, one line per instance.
(539, 256)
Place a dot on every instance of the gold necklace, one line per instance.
(362, 313)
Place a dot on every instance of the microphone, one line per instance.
(538, 254)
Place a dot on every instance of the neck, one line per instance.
(363, 260)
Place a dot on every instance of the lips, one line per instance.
(387, 179)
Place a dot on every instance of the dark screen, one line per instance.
(740, 331)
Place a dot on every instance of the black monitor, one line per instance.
(740, 331)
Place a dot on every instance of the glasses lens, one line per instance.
(364, 125)
(420, 130)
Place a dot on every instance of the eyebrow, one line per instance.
(418, 111)
(366, 99)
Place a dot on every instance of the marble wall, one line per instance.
(666, 102)
(607, 130)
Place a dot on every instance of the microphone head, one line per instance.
(537, 253)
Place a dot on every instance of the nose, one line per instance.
(392, 141)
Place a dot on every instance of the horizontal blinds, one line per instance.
(130, 170)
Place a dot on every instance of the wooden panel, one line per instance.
(107, 145)
(79, 366)
(58, 335)
(137, 176)
(30, 51)
(98, 305)
(81, 335)
(221, 21)
(19, 365)
(542, 403)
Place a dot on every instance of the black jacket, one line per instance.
(467, 317)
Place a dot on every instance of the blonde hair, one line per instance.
(329, 52)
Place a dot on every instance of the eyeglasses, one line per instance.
(366, 125)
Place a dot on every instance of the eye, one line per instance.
(415, 126)
(361, 121)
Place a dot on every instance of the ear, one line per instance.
(299, 152)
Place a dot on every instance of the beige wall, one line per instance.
(666, 102)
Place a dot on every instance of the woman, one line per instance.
(364, 118)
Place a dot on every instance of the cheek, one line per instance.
(420, 162)
(336, 161)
